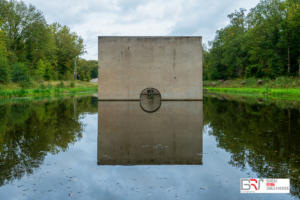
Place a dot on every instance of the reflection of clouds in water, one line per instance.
(130, 182)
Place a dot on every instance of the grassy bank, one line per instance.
(46, 88)
(282, 86)
(280, 82)
(257, 91)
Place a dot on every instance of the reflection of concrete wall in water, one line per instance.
(128, 135)
(172, 65)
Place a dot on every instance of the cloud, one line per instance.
(93, 18)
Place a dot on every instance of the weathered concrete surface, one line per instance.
(128, 135)
(128, 65)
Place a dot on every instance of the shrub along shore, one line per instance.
(282, 86)
(13, 90)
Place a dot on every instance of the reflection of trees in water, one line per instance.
(31, 130)
(265, 137)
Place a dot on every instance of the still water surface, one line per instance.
(78, 148)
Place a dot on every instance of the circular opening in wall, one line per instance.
(150, 100)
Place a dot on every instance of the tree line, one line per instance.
(87, 69)
(265, 42)
(31, 49)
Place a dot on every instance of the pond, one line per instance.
(74, 147)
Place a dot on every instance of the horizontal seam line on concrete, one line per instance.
(149, 36)
(139, 100)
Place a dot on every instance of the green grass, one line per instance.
(258, 91)
(12, 90)
(42, 92)
(279, 83)
(282, 86)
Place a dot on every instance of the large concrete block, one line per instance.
(127, 135)
(128, 65)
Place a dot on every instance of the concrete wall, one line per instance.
(128, 65)
(129, 135)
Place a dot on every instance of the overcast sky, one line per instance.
(93, 18)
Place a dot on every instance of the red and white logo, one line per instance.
(255, 185)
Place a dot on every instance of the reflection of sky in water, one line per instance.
(76, 173)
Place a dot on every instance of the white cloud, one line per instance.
(93, 18)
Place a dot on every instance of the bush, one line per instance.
(4, 71)
(250, 82)
(49, 86)
(47, 73)
(72, 84)
(281, 81)
(42, 86)
(68, 76)
(81, 76)
(20, 73)
(25, 84)
(54, 75)
(21, 92)
(214, 75)
(43, 70)
(88, 77)
(61, 85)
(40, 70)
(60, 77)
